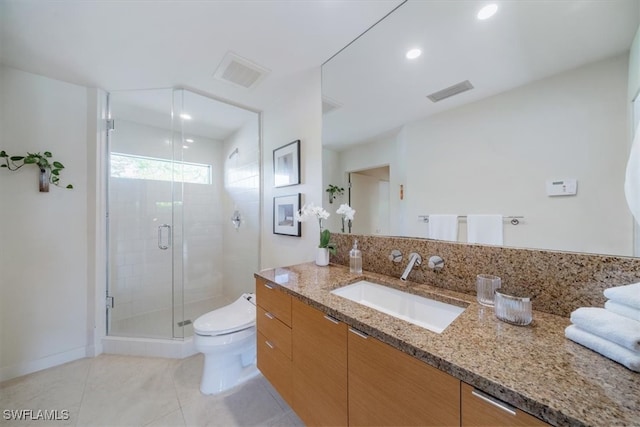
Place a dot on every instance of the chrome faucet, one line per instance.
(414, 259)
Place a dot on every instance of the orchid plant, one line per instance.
(317, 212)
(347, 214)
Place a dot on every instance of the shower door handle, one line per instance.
(160, 245)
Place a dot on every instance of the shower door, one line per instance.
(144, 208)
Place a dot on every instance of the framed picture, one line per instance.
(284, 208)
(286, 164)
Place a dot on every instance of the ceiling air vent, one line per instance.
(451, 91)
(328, 105)
(240, 71)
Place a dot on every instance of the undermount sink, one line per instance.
(425, 312)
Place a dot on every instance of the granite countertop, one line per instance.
(534, 368)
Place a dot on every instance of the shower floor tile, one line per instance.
(113, 390)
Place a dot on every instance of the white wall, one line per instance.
(297, 115)
(43, 260)
(241, 253)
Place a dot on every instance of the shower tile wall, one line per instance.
(141, 274)
(242, 192)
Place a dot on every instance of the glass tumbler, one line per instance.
(514, 309)
(486, 285)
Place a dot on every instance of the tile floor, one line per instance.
(112, 390)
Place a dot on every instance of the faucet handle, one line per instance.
(417, 256)
(395, 256)
(436, 263)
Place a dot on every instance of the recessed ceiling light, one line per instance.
(189, 140)
(488, 11)
(413, 53)
(185, 116)
(185, 146)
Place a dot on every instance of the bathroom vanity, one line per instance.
(337, 362)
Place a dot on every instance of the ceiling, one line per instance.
(378, 89)
(122, 45)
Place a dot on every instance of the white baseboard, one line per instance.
(150, 347)
(30, 366)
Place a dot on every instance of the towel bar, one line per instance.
(515, 220)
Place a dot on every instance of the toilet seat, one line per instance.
(239, 315)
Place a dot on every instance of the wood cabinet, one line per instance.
(273, 319)
(480, 409)
(390, 388)
(333, 375)
(319, 358)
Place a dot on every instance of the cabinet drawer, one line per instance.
(274, 301)
(276, 332)
(276, 367)
(480, 409)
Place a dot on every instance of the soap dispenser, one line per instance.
(355, 259)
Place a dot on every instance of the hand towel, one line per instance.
(623, 310)
(626, 294)
(443, 227)
(613, 351)
(611, 326)
(486, 229)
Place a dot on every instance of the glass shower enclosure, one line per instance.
(180, 166)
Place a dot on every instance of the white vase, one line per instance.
(322, 257)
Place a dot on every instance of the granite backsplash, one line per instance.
(558, 282)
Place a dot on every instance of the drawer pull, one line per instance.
(269, 315)
(268, 286)
(493, 401)
(331, 319)
(358, 333)
(271, 346)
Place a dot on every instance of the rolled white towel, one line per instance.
(611, 326)
(623, 310)
(613, 351)
(626, 294)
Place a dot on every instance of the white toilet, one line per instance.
(227, 337)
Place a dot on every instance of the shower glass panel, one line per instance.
(141, 217)
(181, 165)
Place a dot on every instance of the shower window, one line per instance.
(150, 168)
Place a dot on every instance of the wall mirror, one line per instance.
(538, 92)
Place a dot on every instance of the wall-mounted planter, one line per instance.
(44, 181)
(49, 172)
(334, 191)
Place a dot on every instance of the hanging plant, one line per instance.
(334, 191)
(49, 169)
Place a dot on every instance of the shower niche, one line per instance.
(179, 165)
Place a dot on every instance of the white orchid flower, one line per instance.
(311, 211)
(347, 211)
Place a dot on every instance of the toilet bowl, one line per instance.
(227, 338)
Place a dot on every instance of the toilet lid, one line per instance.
(236, 316)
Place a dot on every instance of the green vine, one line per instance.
(42, 161)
